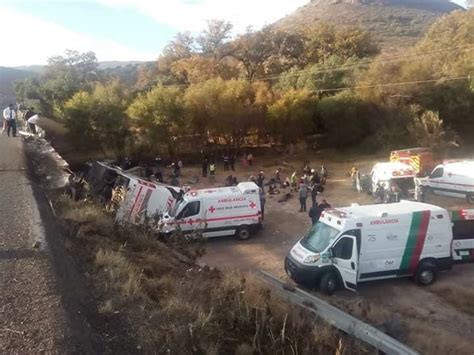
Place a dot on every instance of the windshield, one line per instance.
(175, 208)
(319, 237)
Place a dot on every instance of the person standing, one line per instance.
(9, 115)
(303, 195)
(293, 182)
(226, 162)
(249, 159)
(260, 179)
(205, 164)
(263, 200)
(212, 172)
(315, 213)
(232, 162)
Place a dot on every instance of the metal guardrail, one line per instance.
(338, 318)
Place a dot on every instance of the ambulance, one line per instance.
(216, 212)
(139, 199)
(452, 178)
(386, 174)
(463, 235)
(356, 244)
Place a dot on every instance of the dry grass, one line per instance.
(460, 297)
(173, 305)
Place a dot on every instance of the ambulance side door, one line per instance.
(190, 218)
(345, 257)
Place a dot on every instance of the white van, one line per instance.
(363, 243)
(217, 212)
(142, 199)
(463, 236)
(396, 173)
(455, 179)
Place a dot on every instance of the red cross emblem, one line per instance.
(190, 221)
(252, 204)
(212, 209)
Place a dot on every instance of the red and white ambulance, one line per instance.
(216, 212)
(356, 244)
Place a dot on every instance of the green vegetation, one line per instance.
(277, 85)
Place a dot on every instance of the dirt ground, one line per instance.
(426, 318)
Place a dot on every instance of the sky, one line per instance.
(34, 30)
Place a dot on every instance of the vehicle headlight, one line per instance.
(312, 259)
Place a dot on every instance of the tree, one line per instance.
(197, 69)
(158, 117)
(214, 40)
(96, 120)
(292, 115)
(253, 49)
(221, 109)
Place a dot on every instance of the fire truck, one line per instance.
(422, 160)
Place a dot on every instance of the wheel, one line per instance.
(426, 274)
(470, 198)
(328, 283)
(243, 233)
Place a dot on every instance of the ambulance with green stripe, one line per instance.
(356, 244)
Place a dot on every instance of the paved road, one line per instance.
(32, 318)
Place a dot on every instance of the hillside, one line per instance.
(7, 78)
(395, 24)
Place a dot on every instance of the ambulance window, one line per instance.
(343, 248)
(191, 209)
(437, 173)
(463, 230)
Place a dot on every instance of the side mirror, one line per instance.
(330, 253)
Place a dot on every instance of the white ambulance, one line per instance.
(355, 244)
(455, 179)
(463, 236)
(141, 199)
(217, 212)
(400, 174)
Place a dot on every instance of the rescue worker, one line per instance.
(293, 182)
(303, 196)
(393, 194)
(315, 186)
(354, 173)
(306, 168)
(277, 176)
(324, 174)
(212, 172)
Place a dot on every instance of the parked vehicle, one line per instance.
(356, 244)
(216, 212)
(385, 175)
(455, 179)
(421, 160)
(463, 232)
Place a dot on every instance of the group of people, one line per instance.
(9, 118)
(209, 164)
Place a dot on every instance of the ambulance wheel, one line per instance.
(426, 274)
(328, 283)
(470, 198)
(243, 233)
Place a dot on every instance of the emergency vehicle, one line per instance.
(356, 244)
(455, 179)
(393, 173)
(463, 232)
(141, 199)
(421, 160)
(216, 212)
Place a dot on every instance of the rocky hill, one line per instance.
(396, 24)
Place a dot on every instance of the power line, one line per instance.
(393, 84)
(363, 63)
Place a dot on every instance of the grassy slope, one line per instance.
(395, 24)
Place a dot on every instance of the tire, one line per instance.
(329, 283)
(243, 233)
(426, 273)
(470, 198)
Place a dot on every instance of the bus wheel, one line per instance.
(243, 233)
(470, 198)
(426, 274)
(328, 283)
